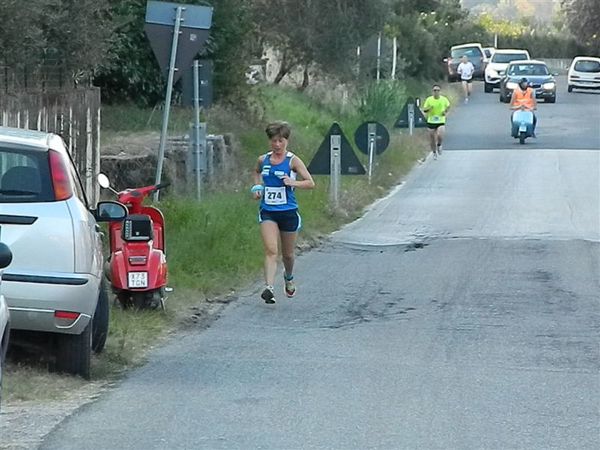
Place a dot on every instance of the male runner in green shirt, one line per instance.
(436, 108)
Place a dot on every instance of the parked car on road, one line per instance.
(54, 283)
(496, 68)
(5, 258)
(538, 76)
(584, 73)
(474, 52)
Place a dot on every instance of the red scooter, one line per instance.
(137, 263)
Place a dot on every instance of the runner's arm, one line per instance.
(299, 167)
(258, 170)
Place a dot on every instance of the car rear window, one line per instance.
(503, 58)
(24, 176)
(587, 66)
(469, 52)
(528, 69)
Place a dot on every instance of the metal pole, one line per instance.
(411, 118)
(395, 58)
(335, 146)
(372, 132)
(379, 57)
(197, 145)
(165, 123)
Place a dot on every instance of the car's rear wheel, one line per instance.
(100, 321)
(74, 353)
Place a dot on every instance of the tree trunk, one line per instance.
(283, 69)
(305, 80)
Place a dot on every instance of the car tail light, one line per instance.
(66, 315)
(60, 176)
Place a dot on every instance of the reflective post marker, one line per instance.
(199, 132)
(411, 118)
(335, 145)
(165, 123)
(372, 131)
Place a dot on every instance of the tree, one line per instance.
(311, 31)
(70, 34)
(583, 18)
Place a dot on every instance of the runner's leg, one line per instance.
(288, 247)
(432, 139)
(270, 234)
(440, 137)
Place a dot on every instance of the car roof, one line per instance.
(473, 44)
(527, 61)
(511, 50)
(31, 138)
(586, 58)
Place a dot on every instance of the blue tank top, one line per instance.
(277, 196)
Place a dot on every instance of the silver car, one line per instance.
(5, 258)
(54, 284)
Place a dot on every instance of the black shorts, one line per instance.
(469, 80)
(287, 221)
(434, 126)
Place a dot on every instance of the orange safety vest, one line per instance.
(525, 99)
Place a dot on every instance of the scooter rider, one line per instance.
(523, 98)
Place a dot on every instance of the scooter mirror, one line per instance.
(103, 181)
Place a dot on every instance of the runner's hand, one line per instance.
(288, 181)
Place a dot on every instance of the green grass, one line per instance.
(214, 246)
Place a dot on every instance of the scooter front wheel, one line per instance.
(522, 136)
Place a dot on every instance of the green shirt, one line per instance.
(438, 108)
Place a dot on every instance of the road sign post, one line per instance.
(372, 132)
(167, 108)
(335, 148)
(371, 138)
(187, 40)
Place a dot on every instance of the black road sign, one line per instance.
(369, 131)
(321, 162)
(194, 32)
(411, 108)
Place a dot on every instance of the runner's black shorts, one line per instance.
(434, 126)
(288, 221)
(470, 80)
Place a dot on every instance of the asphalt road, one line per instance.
(462, 312)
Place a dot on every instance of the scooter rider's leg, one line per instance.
(270, 233)
(534, 123)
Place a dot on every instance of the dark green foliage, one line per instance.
(583, 18)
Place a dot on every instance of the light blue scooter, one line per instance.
(522, 125)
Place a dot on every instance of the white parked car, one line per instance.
(584, 73)
(54, 283)
(5, 258)
(497, 65)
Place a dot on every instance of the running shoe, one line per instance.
(267, 295)
(290, 286)
(439, 149)
(434, 154)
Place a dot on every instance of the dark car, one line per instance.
(474, 52)
(538, 76)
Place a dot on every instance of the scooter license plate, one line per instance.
(523, 129)
(137, 280)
